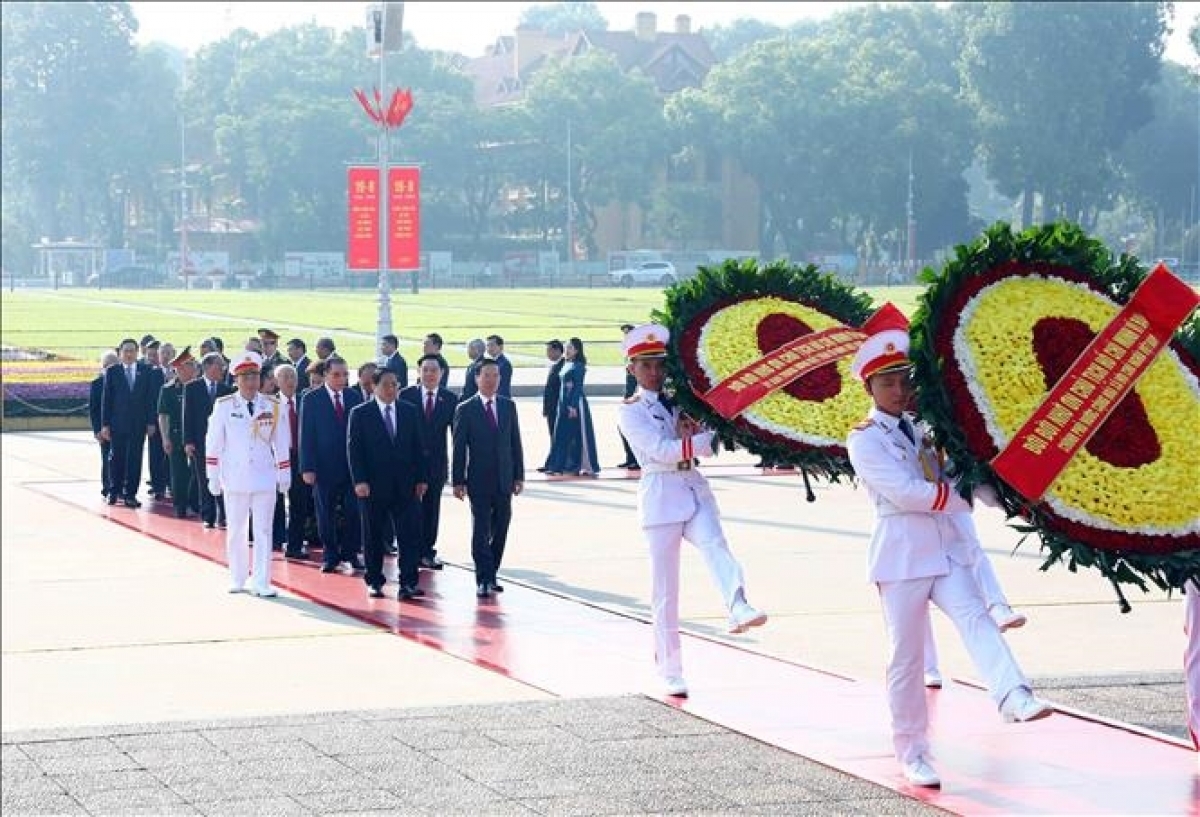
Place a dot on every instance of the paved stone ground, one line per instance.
(627, 755)
(598, 756)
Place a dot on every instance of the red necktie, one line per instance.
(338, 411)
(491, 415)
(428, 405)
(293, 423)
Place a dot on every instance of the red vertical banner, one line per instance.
(404, 218)
(362, 229)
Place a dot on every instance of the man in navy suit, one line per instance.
(495, 350)
(435, 408)
(393, 361)
(95, 409)
(297, 354)
(199, 396)
(128, 414)
(325, 464)
(488, 467)
(387, 466)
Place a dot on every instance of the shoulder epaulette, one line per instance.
(864, 425)
(631, 399)
(270, 397)
(226, 397)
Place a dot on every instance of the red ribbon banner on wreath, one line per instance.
(1097, 381)
(776, 369)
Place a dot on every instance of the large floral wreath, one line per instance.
(994, 332)
(728, 317)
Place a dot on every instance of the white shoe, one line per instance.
(1020, 706)
(1006, 618)
(933, 679)
(920, 773)
(675, 686)
(268, 593)
(233, 588)
(742, 617)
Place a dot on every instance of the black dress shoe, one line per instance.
(328, 568)
(294, 554)
(483, 590)
(181, 513)
(432, 563)
(208, 523)
(375, 592)
(496, 588)
(633, 466)
(357, 566)
(112, 499)
(410, 591)
(132, 502)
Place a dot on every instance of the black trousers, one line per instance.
(431, 514)
(212, 508)
(158, 464)
(105, 454)
(380, 517)
(490, 515)
(125, 462)
(300, 508)
(341, 545)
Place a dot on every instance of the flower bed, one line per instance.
(46, 388)
(995, 331)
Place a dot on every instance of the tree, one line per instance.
(564, 18)
(728, 41)
(1057, 89)
(65, 69)
(617, 132)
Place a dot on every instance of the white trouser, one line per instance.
(1191, 659)
(906, 615)
(703, 530)
(989, 586)
(240, 509)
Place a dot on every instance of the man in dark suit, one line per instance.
(393, 361)
(325, 465)
(432, 345)
(387, 467)
(495, 350)
(128, 414)
(554, 353)
(475, 349)
(289, 527)
(297, 353)
(95, 410)
(488, 467)
(156, 457)
(170, 428)
(435, 408)
(198, 399)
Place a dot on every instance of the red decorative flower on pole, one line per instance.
(391, 117)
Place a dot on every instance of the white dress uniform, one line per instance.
(247, 451)
(918, 554)
(1191, 658)
(675, 502)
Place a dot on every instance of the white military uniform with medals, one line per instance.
(247, 450)
(675, 502)
(916, 555)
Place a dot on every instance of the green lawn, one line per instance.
(78, 323)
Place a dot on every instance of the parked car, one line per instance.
(648, 272)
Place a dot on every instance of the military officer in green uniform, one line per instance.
(272, 357)
(170, 424)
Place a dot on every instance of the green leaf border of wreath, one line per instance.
(736, 280)
(1060, 244)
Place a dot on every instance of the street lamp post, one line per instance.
(379, 15)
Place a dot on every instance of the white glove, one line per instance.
(987, 495)
(214, 487)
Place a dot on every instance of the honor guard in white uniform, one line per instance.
(917, 554)
(675, 502)
(247, 460)
(1191, 658)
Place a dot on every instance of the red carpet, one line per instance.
(1066, 764)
